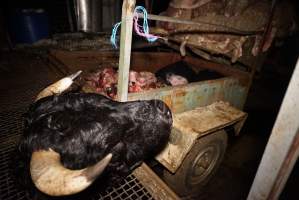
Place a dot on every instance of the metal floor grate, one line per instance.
(14, 103)
(130, 188)
(10, 129)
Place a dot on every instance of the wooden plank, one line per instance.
(282, 149)
(125, 49)
(198, 24)
(156, 187)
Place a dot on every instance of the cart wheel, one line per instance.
(199, 165)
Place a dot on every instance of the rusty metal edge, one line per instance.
(172, 168)
(154, 185)
(238, 126)
(236, 121)
(243, 76)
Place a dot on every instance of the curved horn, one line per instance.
(52, 178)
(59, 86)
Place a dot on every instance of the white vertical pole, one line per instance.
(125, 49)
(282, 149)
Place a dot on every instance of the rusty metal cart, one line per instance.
(18, 90)
(201, 118)
(204, 112)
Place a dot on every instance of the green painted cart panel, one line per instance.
(188, 97)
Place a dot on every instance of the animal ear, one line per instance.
(59, 86)
(51, 177)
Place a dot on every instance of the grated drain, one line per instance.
(13, 103)
(11, 125)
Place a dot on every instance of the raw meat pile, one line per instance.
(140, 81)
(105, 81)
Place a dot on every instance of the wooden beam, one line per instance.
(125, 49)
(200, 24)
(153, 184)
(282, 149)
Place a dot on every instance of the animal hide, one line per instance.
(84, 127)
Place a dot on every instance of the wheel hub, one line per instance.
(202, 165)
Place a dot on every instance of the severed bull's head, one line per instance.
(92, 131)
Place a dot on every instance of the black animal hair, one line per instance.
(84, 127)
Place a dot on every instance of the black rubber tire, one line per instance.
(208, 150)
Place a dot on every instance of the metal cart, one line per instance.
(204, 112)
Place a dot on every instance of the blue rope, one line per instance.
(150, 38)
(113, 35)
